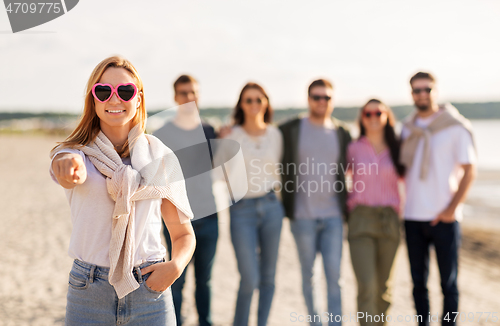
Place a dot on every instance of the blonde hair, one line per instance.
(89, 124)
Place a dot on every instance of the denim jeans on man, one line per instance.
(255, 233)
(446, 240)
(206, 231)
(92, 300)
(324, 236)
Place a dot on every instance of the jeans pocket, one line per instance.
(77, 281)
(158, 293)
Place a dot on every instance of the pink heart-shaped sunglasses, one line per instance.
(103, 92)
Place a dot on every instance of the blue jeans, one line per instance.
(324, 236)
(446, 240)
(92, 300)
(255, 233)
(206, 231)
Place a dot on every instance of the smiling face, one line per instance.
(254, 104)
(116, 114)
(377, 119)
(319, 104)
(423, 98)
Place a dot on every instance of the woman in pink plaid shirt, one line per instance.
(374, 204)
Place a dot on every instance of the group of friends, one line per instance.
(437, 144)
(354, 182)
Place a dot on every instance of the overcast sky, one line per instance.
(367, 48)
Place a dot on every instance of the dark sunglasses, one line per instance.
(103, 92)
(251, 100)
(419, 90)
(375, 113)
(317, 98)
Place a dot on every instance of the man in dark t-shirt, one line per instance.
(189, 138)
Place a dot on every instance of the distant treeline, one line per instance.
(27, 115)
(489, 110)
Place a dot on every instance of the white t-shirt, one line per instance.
(262, 157)
(91, 217)
(449, 149)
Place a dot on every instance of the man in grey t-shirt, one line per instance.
(314, 193)
(190, 138)
(318, 148)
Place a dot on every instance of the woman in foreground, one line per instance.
(119, 183)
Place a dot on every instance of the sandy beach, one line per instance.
(35, 232)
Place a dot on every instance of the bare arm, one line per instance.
(69, 170)
(448, 215)
(182, 235)
(464, 186)
(183, 245)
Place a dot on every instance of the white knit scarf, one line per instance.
(155, 173)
